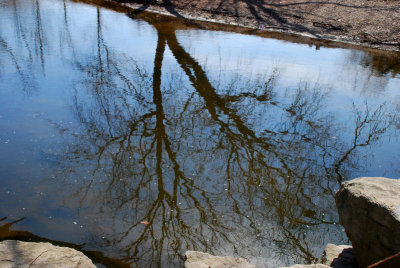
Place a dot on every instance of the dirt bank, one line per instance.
(371, 23)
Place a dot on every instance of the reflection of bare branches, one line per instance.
(369, 128)
(175, 162)
(124, 147)
(20, 31)
(138, 139)
(182, 163)
(25, 70)
(39, 32)
(25, 76)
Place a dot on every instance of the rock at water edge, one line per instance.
(369, 210)
(14, 253)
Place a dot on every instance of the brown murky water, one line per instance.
(139, 139)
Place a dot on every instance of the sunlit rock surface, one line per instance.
(339, 256)
(369, 210)
(196, 259)
(15, 253)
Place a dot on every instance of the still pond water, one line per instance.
(140, 139)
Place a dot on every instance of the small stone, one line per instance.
(197, 259)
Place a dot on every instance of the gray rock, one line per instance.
(318, 265)
(20, 254)
(339, 256)
(196, 259)
(369, 210)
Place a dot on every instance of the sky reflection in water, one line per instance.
(225, 143)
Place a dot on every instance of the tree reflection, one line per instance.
(176, 166)
(22, 58)
(380, 64)
(370, 126)
(168, 163)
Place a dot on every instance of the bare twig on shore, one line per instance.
(384, 260)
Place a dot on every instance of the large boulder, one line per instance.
(15, 253)
(197, 259)
(369, 210)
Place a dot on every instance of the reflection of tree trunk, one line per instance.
(102, 75)
(254, 159)
(213, 101)
(68, 34)
(39, 33)
(244, 140)
(202, 85)
(159, 132)
(99, 39)
(260, 160)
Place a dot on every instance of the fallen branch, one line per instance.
(384, 260)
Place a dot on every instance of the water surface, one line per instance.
(143, 138)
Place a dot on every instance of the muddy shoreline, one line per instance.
(373, 24)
